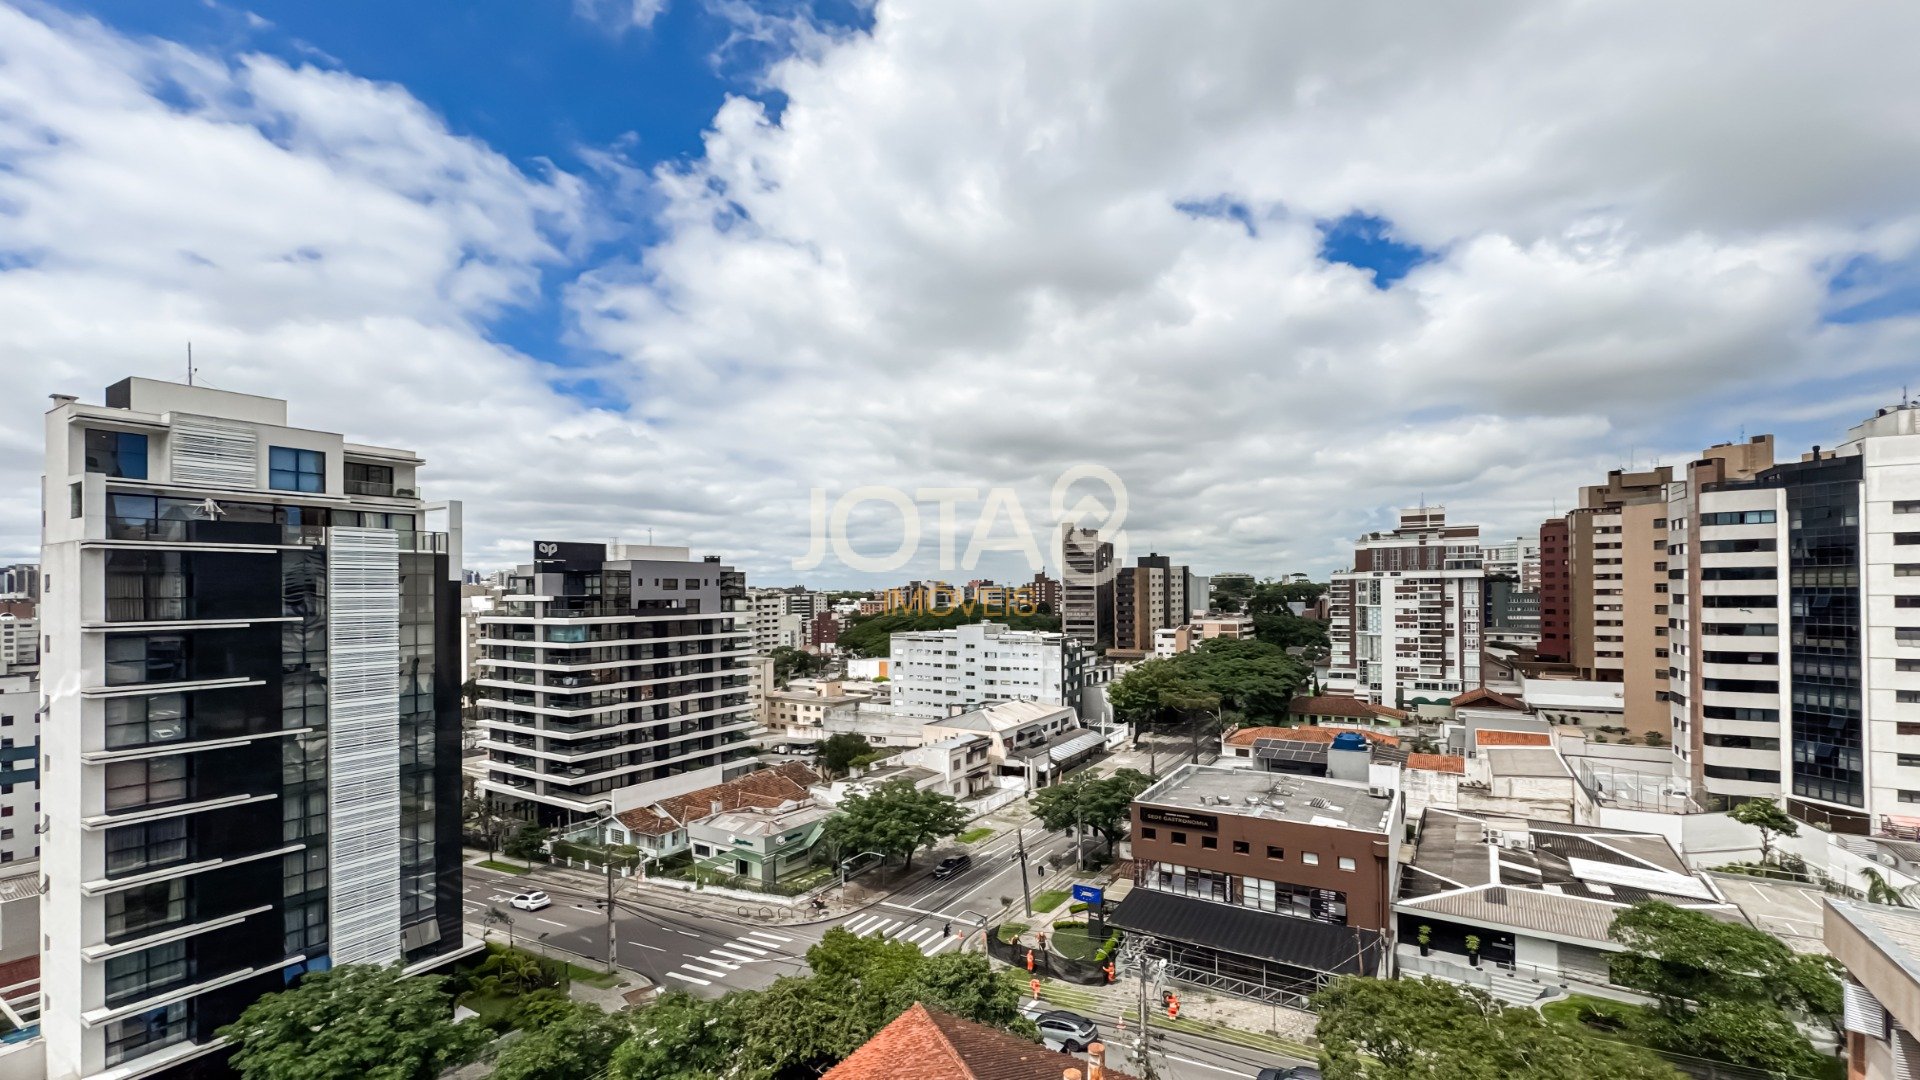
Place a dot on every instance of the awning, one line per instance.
(1285, 939)
(1074, 747)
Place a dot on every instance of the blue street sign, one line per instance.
(1088, 894)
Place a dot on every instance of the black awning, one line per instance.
(1337, 950)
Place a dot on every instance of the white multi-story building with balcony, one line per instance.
(1405, 622)
(613, 676)
(935, 671)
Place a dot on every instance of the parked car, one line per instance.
(1062, 1030)
(1298, 1072)
(531, 901)
(951, 865)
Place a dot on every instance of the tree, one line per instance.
(356, 1020)
(789, 662)
(1101, 803)
(896, 819)
(510, 972)
(528, 843)
(574, 1041)
(1724, 990)
(1765, 815)
(682, 1037)
(838, 752)
(1290, 631)
(1424, 1029)
(872, 635)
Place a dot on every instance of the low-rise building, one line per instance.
(1879, 946)
(660, 829)
(928, 1045)
(1025, 739)
(1340, 709)
(758, 843)
(800, 713)
(1262, 886)
(1539, 897)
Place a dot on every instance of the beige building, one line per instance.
(802, 712)
(1879, 946)
(1617, 541)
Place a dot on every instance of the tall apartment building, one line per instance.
(933, 670)
(613, 676)
(1148, 597)
(1802, 630)
(1405, 621)
(1086, 586)
(21, 581)
(1044, 591)
(1617, 586)
(19, 644)
(251, 745)
(1556, 593)
(767, 614)
(19, 767)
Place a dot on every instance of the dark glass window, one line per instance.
(136, 848)
(144, 721)
(146, 1032)
(289, 469)
(1210, 842)
(1823, 516)
(146, 972)
(1275, 853)
(148, 586)
(1240, 847)
(117, 453)
(135, 785)
(1739, 517)
(145, 909)
(145, 658)
(1737, 573)
(1148, 832)
(368, 479)
(1180, 838)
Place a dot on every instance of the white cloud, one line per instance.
(620, 16)
(956, 258)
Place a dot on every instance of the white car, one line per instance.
(531, 901)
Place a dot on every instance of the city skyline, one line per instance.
(674, 267)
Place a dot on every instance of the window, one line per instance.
(149, 1031)
(117, 453)
(1276, 853)
(1907, 506)
(1737, 573)
(290, 469)
(76, 501)
(143, 721)
(1909, 761)
(1906, 539)
(1906, 569)
(1240, 847)
(1906, 601)
(1310, 858)
(1180, 838)
(1907, 697)
(1738, 517)
(134, 848)
(367, 479)
(146, 972)
(132, 785)
(1348, 864)
(1730, 547)
(145, 908)
(1210, 842)
(1909, 796)
(143, 658)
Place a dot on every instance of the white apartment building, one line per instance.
(934, 671)
(1405, 622)
(770, 616)
(1797, 648)
(19, 768)
(613, 676)
(19, 644)
(251, 756)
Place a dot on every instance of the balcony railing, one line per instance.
(370, 487)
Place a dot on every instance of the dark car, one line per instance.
(952, 865)
(1298, 1072)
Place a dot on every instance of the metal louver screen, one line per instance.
(1903, 1049)
(363, 746)
(1861, 1011)
(214, 453)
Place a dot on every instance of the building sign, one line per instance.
(1090, 895)
(1179, 819)
(559, 556)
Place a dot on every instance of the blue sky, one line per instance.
(619, 265)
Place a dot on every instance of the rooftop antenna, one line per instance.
(189, 363)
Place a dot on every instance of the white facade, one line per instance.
(19, 644)
(1405, 623)
(933, 671)
(19, 768)
(773, 617)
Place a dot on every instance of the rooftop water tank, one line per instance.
(1349, 740)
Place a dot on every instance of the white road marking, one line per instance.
(747, 948)
(907, 907)
(689, 978)
(644, 945)
(550, 922)
(883, 929)
(775, 938)
(732, 953)
(689, 933)
(704, 971)
(944, 943)
(862, 924)
(717, 962)
(914, 938)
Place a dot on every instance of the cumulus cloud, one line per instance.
(980, 243)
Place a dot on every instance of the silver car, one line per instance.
(1062, 1030)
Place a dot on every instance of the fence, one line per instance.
(1046, 965)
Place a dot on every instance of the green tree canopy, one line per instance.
(357, 1020)
(1765, 815)
(1253, 678)
(837, 752)
(1424, 1029)
(1725, 990)
(872, 635)
(1101, 803)
(896, 819)
(573, 1040)
(525, 843)
(789, 663)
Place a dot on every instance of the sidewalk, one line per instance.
(762, 910)
(1252, 1024)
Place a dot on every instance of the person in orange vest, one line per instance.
(1029, 959)
(1109, 970)
(1173, 1006)
(1035, 986)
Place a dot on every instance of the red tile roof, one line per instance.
(1493, 737)
(922, 1044)
(1484, 696)
(1246, 736)
(1447, 763)
(1330, 705)
(765, 789)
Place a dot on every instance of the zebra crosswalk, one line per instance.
(752, 947)
(929, 938)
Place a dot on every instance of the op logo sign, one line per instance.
(999, 524)
(548, 549)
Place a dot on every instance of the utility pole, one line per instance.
(1079, 836)
(1020, 838)
(613, 945)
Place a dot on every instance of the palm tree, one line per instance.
(1881, 891)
